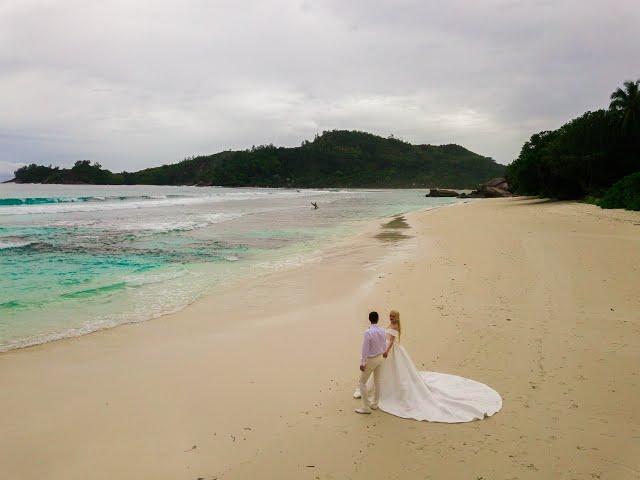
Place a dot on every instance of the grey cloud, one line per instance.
(133, 84)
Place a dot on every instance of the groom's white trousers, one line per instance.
(372, 366)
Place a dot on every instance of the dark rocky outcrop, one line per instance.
(499, 182)
(440, 192)
(495, 188)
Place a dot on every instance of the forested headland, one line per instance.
(595, 156)
(337, 158)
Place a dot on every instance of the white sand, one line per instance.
(540, 300)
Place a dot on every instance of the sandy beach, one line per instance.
(540, 300)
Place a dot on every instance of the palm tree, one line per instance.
(627, 102)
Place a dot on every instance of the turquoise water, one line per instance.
(74, 259)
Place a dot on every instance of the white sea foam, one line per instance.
(138, 280)
(6, 244)
(200, 221)
(155, 201)
(146, 304)
(94, 326)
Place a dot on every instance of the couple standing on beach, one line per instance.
(400, 389)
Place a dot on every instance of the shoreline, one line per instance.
(536, 299)
(262, 268)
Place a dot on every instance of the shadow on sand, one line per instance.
(518, 201)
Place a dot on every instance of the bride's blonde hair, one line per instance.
(395, 314)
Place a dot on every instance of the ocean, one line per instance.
(79, 258)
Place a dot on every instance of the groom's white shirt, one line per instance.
(374, 344)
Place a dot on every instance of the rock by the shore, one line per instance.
(495, 188)
(441, 192)
(498, 182)
(493, 192)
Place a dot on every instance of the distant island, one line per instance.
(337, 158)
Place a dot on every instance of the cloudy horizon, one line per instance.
(141, 83)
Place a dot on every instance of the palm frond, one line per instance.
(618, 94)
(630, 86)
(619, 100)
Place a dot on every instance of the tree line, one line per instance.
(586, 157)
(337, 158)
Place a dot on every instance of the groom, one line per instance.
(373, 346)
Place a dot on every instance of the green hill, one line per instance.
(337, 158)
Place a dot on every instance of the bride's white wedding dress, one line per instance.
(431, 396)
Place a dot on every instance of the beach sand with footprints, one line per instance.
(540, 300)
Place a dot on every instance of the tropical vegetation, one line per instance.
(586, 156)
(624, 193)
(337, 158)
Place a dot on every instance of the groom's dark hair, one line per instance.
(373, 317)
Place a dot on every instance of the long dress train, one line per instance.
(431, 396)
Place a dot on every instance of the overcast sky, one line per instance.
(139, 83)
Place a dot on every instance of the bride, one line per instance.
(431, 396)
